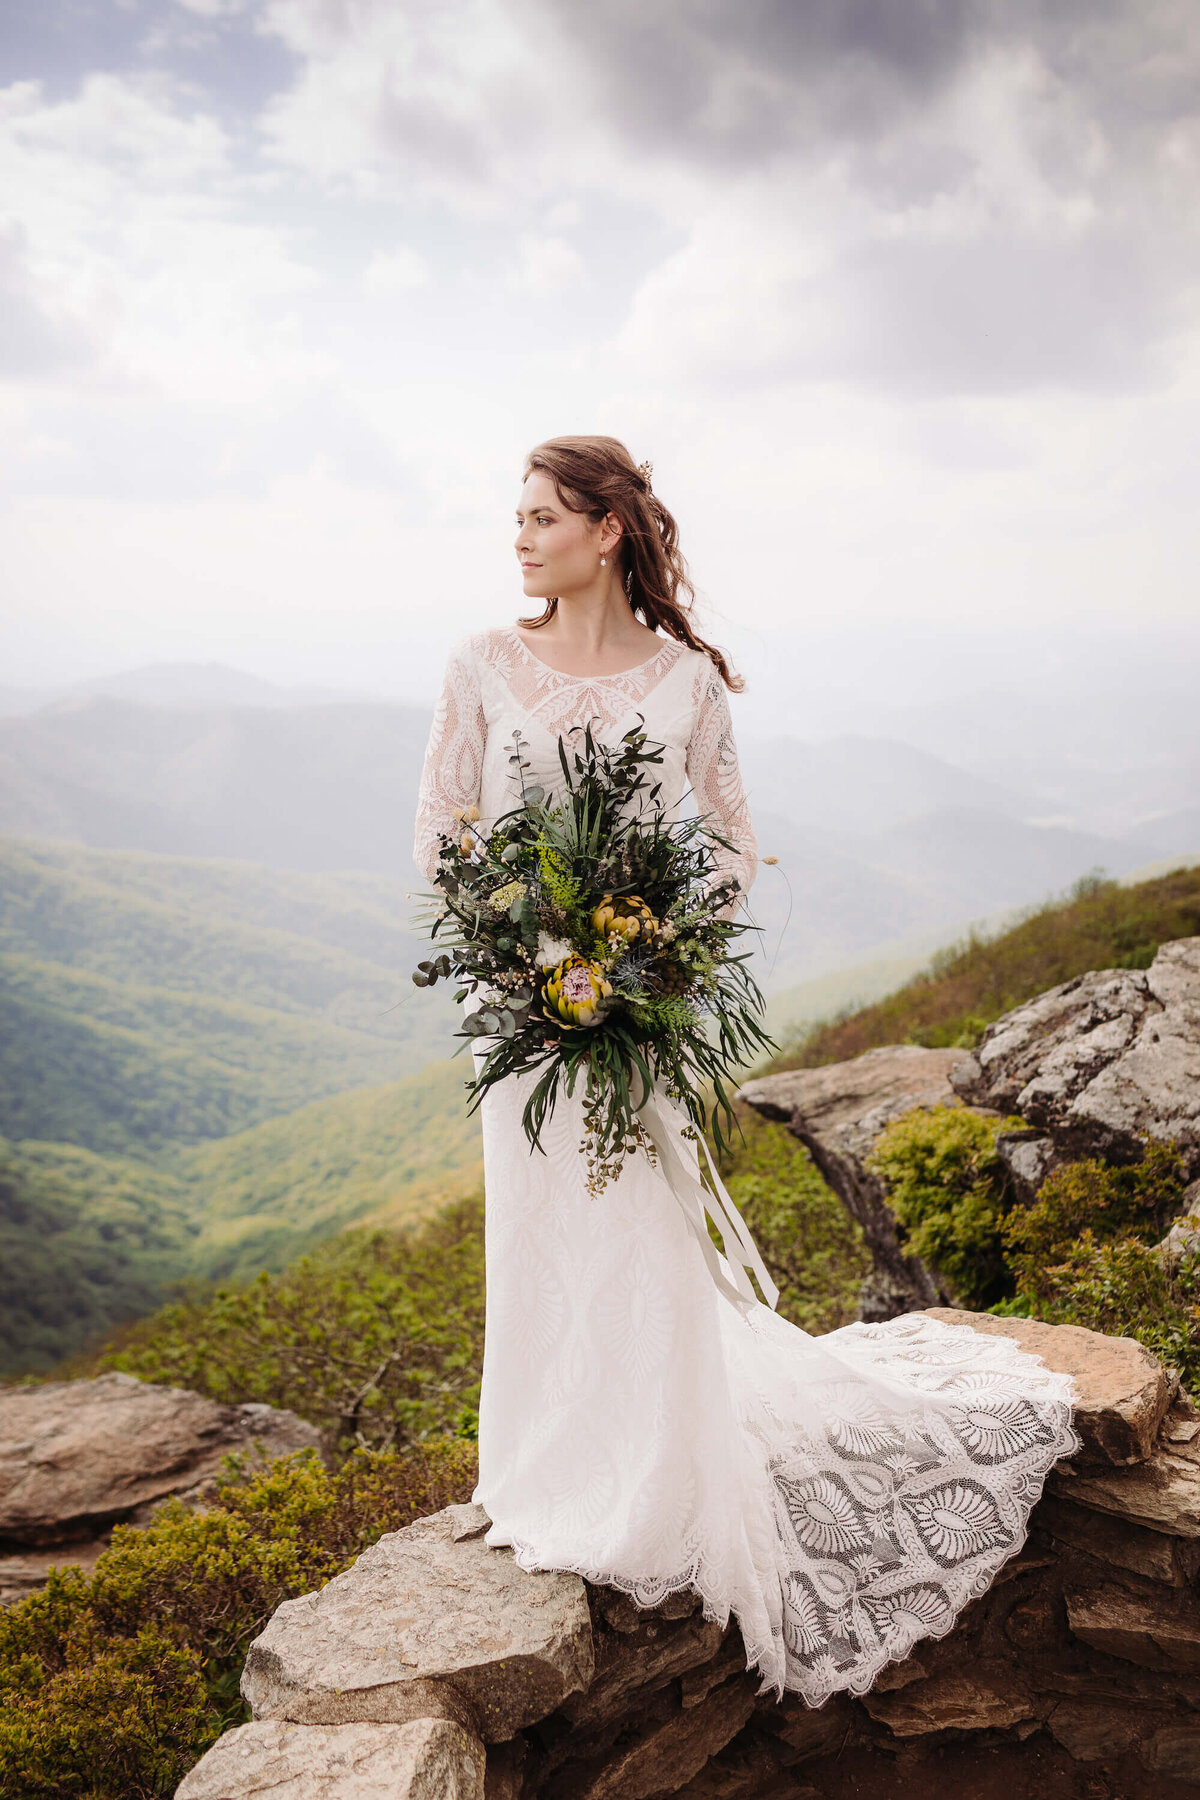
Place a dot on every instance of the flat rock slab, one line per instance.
(77, 1455)
(1103, 1061)
(978, 1699)
(1155, 1631)
(428, 1759)
(1160, 1494)
(1123, 1391)
(426, 1624)
(839, 1114)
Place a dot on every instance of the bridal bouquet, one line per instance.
(595, 930)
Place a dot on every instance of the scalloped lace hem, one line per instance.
(872, 1557)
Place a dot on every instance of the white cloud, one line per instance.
(547, 266)
(396, 271)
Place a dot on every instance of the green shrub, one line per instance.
(1135, 1200)
(950, 1192)
(113, 1684)
(1125, 1290)
(377, 1337)
(812, 1247)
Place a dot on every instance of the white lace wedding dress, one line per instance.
(842, 1496)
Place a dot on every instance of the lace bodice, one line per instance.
(495, 685)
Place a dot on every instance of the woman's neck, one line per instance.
(596, 635)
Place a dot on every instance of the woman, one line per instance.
(842, 1496)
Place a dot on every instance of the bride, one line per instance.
(841, 1496)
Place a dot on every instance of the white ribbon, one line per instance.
(664, 1123)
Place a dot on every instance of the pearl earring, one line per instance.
(603, 561)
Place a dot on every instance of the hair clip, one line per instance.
(646, 470)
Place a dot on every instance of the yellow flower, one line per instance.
(628, 917)
(577, 991)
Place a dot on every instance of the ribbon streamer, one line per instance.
(664, 1123)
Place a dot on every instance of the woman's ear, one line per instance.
(614, 529)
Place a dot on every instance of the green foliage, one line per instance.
(1100, 925)
(813, 1249)
(152, 1000)
(89, 1242)
(1082, 1254)
(947, 1187)
(86, 1242)
(113, 1684)
(379, 1155)
(377, 1337)
(1122, 1287)
(1093, 1199)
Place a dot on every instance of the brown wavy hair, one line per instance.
(597, 476)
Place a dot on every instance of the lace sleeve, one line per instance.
(716, 779)
(453, 768)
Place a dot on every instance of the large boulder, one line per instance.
(427, 1759)
(1085, 1650)
(76, 1456)
(1102, 1062)
(429, 1619)
(839, 1113)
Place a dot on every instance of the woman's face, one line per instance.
(559, 551)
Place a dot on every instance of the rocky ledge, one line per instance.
(77, 1457)
(436, 1669)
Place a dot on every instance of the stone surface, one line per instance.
(839, 1113)
(75, 1456)
(1089, 1730)
(1174, 1751)
(423, 1623)
(1162, 1493)
(1155, 1631)
(428, 1759)
(665, 1757)
(1123, 1391)
(1103, 1061)
(977, 1699)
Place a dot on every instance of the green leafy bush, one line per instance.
(113, 1684)
(377, 1337)
(950, 1192)
(1082, 1254)
(1123, 1288)
(1096, 1200)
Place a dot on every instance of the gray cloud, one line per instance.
(739, 83)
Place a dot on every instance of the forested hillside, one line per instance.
(204, 1068)
(89, 1241)
(148, 1001)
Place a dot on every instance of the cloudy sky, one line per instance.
(902, 297)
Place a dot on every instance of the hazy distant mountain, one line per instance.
(177, 684)
(880, 842)
(856, 786)
(314, 788)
